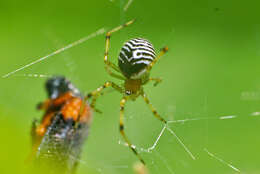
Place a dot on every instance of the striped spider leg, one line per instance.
(135, 61)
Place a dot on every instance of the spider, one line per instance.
(135, 61)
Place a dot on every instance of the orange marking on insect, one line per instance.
(46, 121)
(71, 109)
(69, 106)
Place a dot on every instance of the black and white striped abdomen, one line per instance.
(134, 57)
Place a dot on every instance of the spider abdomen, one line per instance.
(135, 55)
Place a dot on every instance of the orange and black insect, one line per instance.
(58, 138)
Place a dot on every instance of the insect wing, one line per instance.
(61, 146)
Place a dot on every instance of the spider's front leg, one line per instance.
(96, 93)
(156, 80)
(107, 43)
(162, 52)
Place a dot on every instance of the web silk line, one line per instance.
(98, 32)
(227, 117)
(221, 160)
(164, 162)
(182, 144)
(157, 139)
(152, 147)
(34, 75)
(128, 4)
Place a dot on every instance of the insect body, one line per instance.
(135, 61)
(58, 138)
(65, 99)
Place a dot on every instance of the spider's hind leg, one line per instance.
(122, 131)
(155, 113)
(114, 74)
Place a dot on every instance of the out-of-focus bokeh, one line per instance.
(210, 77)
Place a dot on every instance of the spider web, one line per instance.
(158, 159)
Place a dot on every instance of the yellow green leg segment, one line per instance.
(96, 93)
(107, 43)
(156, 80)
(162, 52)
(155, 113)
(121, 128)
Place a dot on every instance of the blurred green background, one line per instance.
(211, 70)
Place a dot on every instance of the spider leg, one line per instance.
(157, 80)
(121, 128)
(114, 74)
(107, 43)
(96, 93)
(155, 113)
(162, 52)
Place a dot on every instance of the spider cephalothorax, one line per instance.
(135, 61)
